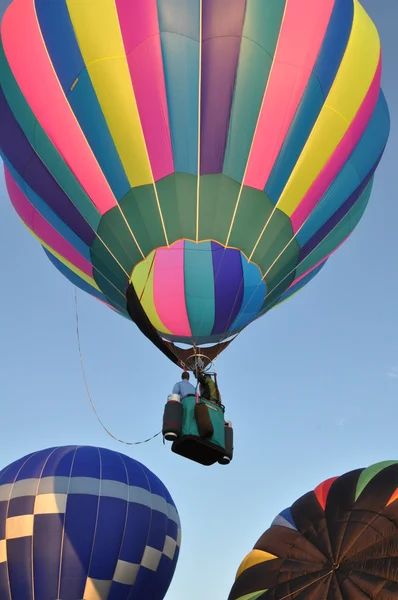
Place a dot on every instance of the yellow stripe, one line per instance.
(98, 34)
(71, 267)
(255, 557)
(348, 91)
(142, 279)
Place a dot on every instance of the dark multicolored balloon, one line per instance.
(83, 522)
(339, 542)
(213, 157)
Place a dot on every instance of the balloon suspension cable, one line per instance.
(88, 391)
(292, 595)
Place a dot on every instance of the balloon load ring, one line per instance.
(199, 361)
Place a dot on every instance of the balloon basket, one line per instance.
(203, 436)
(199, 450)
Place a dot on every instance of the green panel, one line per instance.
(368, 474)
(140, 209)
(218, 196)
(177, 198)
(106, 267)
(277, 239)
(112, 295)
(277, 254)
(253, 211)
(328, 245)
(278, 286)
(338, 234)
(216, 415)
(118, 242)
(43, 147)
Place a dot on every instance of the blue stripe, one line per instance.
(9, 474)
(48, 214)
(47, 539)
(3, 519)
(87, 463)
(80, 523)
(4, 592)
(162, 581)
(199, 287)
(361, 162)
(179, 22)
(158, 531)
(254, 293)
(112, 468)
(24, 505)
(60, 462)
(59, 37)
(109, 535)
(34, 466)
(319, 85)
(119, 591)
(19, 555)
(65, 55)
(137, 526)
(138, 517)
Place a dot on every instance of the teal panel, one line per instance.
(199, 287)
(189, 426)
(179, 23)
(260, 34)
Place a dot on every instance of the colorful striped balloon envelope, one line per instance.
(207, 155)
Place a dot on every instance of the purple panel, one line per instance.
(222, 32)
(229, 286)
(25, 161)
(338, 216)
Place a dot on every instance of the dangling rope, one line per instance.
(88, 391)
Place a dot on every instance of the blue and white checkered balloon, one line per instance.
(83, 522)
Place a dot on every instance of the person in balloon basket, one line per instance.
(208, 388)
(184, 388)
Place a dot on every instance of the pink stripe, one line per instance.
(32, 68)
(140, 30)
(35, 222)
(302, 33)
(340, 155)
(169, 289)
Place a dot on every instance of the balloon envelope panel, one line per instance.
(132, 127)
(338, 542)
(84, 522)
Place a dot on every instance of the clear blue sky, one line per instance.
(312, 389)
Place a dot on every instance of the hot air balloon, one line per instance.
(84, 522)
(192, 165)
(338, 542)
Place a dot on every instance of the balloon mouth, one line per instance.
(198, 293)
